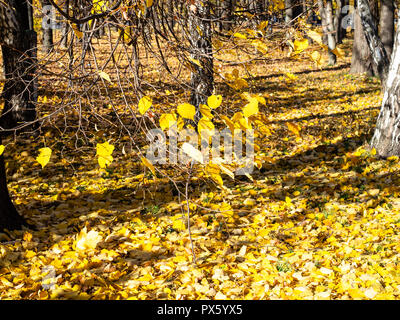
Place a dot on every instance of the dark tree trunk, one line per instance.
(256, 8)
(339, 34)
(171, 14)
(65, 27)
(19, 92)
(226, 22)
(19, 63)
(202, 78)
(293, 9)
(9, 217)
(386, 32)
(386, 139)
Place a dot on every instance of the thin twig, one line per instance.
(188, 210)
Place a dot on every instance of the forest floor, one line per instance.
(319, 220)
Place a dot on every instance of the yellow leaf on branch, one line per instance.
(186, 110)
(214, 101)
(149, 165)
(206, 111)
(144, 104)
(167, 120)
(251, 108)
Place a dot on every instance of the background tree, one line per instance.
(227, 16)
(338, 19)
(328, 28)
(200, 38)
(386, 30)
(362, 60)
(293, 8)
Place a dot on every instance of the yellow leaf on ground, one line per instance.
(195, 61)
(294, 128)
(87, 240)
(103, 152)
(44, 156)
(300, 45)
(239, 35)
(105, 76)
(338, 53)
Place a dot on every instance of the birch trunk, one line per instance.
(202, 77)
(386, 139)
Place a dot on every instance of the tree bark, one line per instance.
(386, 139)
(226, 22)
(19, 92)
(328, 28)
(369, 55)
(65, 28)
(293, 9)
(200, 33)
(376, 51)
(339, 34)
(386, 31)
(288, 11)
(9, 216)
(19, 63)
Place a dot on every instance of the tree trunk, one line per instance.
(366, 40)
(202, 77)
(9, 217)
(288, 12)
(293, 9)
(65, 28)
(19, 63)
(386, 32)
(226, 22)
(376, 51)
(328, 28)
(339, 34)
(386, 139)
(171, 14)
(19, 92)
